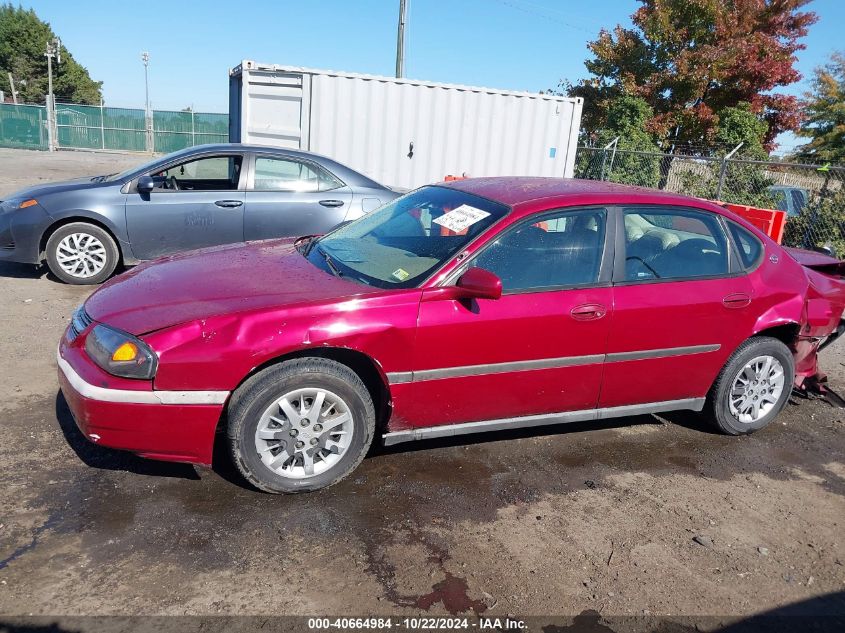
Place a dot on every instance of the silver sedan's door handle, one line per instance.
(229, 204)
(332, 203)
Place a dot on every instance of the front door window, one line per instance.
(560, 251)
(211, 173)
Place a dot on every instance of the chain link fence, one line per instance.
(813, 197)
(106, 128)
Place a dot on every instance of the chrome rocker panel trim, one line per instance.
(449, 430)
(401, 377)
(102, 394)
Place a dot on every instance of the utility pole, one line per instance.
(54, 50)
(400, 40)
(14, 92)
(148, 114)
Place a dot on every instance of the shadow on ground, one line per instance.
(109, 459)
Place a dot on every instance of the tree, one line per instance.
(691, 59)
(738, 124)
(825, 114)
(626, 119)
(743, 182)
(23, 41)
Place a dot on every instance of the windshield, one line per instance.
(403, 242)
(149, 165)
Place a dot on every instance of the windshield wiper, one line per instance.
(330, 263)
(309, 244)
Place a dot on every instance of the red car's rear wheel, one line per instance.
(753, 386)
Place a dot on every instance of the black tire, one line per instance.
(717, 408)
(252, 399)
(111, 254)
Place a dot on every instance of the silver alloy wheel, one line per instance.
(756, 389)
(304, 433)
(81, 255)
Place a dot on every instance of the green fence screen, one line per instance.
(23, 126)
(123, 129)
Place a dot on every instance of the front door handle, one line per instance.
(736, 300)
(332, 203)
(229, 204)
(588, 312)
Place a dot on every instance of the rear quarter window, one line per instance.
(749, 246)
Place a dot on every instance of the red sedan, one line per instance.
(463, 307)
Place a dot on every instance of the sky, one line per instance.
(509, 44)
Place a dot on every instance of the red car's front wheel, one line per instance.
(301, 425)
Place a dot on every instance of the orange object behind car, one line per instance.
(771, 221)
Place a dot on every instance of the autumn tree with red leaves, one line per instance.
(692, 59)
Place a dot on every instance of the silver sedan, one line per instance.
(201, 196)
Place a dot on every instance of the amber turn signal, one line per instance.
(127, 351)
(28, 203)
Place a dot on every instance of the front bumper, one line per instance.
(20, 234)
(176, 426)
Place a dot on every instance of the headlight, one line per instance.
(121, 354)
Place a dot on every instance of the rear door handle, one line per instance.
(229, 204)
(588, 312)
(736, 300)
(332, 203)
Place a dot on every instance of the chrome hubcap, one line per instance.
(81, 255)
(756, 389)
(304, 433)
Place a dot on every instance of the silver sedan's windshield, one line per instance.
(148, 166)
(401, 244)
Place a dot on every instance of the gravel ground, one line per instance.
(643, 515)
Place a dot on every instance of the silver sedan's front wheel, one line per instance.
(301, 425)
(81, 253)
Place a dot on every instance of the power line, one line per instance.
(521, 5)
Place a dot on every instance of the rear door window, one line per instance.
(673, 244)
(283, 174)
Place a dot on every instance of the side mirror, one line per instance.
(145, 184)
(478, 283)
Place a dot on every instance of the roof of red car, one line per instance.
(517, 189)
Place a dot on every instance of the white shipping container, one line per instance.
(403, 132)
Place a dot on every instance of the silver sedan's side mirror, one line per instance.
(145, 184)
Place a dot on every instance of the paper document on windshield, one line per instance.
(461, 218)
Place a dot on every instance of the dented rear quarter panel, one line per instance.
(790, 292)
(779, 287)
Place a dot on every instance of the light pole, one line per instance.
(148, 115)
(400, 40)
(54, 49)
